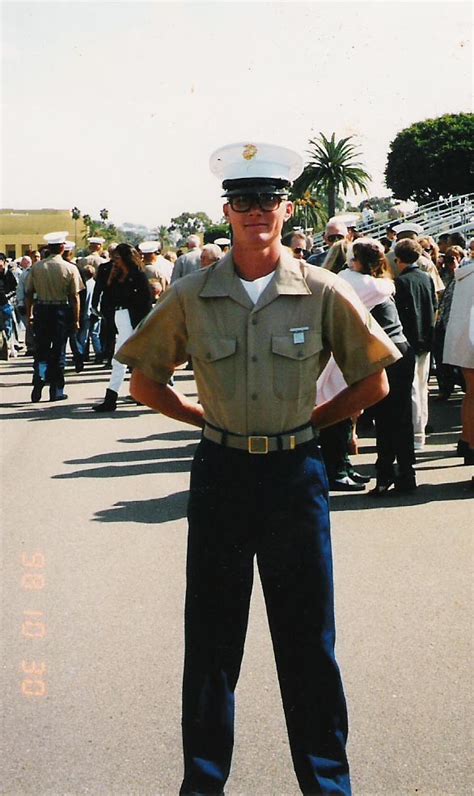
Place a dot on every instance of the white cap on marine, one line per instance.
(255, 162)
(408, 226)
(96, 240)
(55, 237)
(149, 246)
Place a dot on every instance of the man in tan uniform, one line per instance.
(53, 309)
(260, 326)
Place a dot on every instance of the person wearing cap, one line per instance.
(189, 262)
(156, 267)
(260, 326)
(52, 307)
(68, 253)
(96, 254)
(224, 243)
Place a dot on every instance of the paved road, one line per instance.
(94, 536)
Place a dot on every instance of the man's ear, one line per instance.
(226, 209)
(289, 210)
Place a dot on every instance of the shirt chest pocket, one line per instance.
(295, 365)
(215, 365)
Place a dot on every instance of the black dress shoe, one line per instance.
(380, 490)
(462, 447)
(36, 393)
(359, 478)
(345, 484)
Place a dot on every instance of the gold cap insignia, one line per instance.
(249, 151)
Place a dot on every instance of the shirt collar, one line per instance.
(288, 280)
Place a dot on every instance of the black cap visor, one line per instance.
(255, 185)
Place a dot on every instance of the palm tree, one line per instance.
(331, 166)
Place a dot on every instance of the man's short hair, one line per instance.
(192, 241)
(408, 251)
(457, 239)
(56, 248)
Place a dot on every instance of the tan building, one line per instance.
(23, 230)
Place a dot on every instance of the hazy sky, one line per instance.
(120, 104)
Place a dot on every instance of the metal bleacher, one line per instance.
(454, 214)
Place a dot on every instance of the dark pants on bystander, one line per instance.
(52, 325)
(274, 508)
(394, 424)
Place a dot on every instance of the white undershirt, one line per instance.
(257, 286)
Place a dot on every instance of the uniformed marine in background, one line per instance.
(53, 309)
(156, 266)
(260, 327)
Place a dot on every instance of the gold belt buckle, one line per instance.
(257, 445)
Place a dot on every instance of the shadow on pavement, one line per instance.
(172, 436)
(426, 493)
(126, 470)
(165, 509)
(50, 410)
(187, 451)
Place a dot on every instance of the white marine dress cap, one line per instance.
(55, 237)
(69, 245)
(255, 160)
(149, 246)
(409, 227)
(96, 240)
(222, 241)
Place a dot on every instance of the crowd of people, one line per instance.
(416, 279)
(407, 280)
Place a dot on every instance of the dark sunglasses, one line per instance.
(299, 251)
(242, 203)
(334, 238)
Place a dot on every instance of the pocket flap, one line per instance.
(284, 346)
(211, 349)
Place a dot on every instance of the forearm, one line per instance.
(164, 399)
(29, 307)
(352, 400)
(76, 309)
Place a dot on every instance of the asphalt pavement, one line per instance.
(93, 514)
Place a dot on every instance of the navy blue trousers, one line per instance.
(273, 507)
(51, 325)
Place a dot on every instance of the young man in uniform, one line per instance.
(260, 327)
(53, 309)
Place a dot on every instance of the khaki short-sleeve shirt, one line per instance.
(54, 279)
(256, 366)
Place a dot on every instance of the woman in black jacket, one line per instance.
(129, 293)
(392, 415)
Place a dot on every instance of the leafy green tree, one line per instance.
(379, 204)
(432, 158)
(191, 223)
(308, 213)
(213, 231)
(332, 168)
